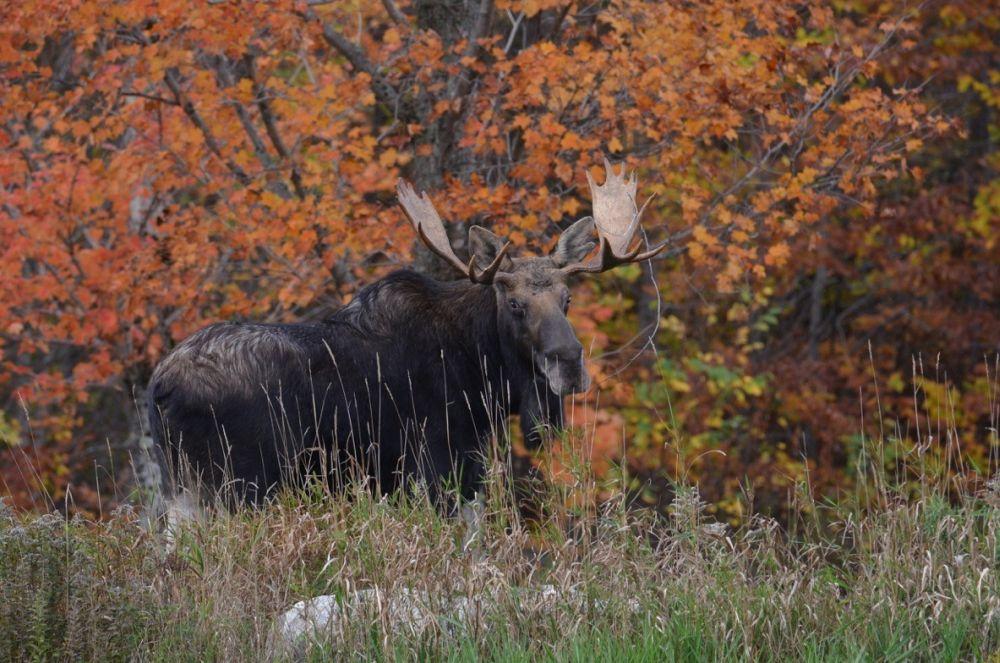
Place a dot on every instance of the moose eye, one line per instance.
(516, 308)
(566, 303)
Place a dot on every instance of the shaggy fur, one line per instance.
(409, 381)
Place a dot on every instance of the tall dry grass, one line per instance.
(910, 580)
(895, 574)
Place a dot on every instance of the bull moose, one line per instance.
(406, 382)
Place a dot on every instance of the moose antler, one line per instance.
(427, 222)
(617, 218)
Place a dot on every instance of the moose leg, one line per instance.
(541, 413)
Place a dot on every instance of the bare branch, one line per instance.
(395, 13)
(353, 53)
(560, 21)
(304, 60)
(151, 97)
(515, 24)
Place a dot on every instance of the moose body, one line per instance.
(408, 382)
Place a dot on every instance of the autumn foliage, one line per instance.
(825, 173)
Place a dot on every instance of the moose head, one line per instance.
(533, 296)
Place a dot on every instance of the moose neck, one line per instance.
(459, 317)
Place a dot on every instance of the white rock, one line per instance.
(307, 618)
(407, 611)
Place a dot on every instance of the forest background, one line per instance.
(824, 171)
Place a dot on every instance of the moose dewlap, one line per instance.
(407, 382)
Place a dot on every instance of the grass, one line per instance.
(911, 580)
(897, 572)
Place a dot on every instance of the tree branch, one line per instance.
(271, 126)
(842, 80)
(395, 13)
(151, 97)
(353, 53)
(171, 79)
(360, 62)
(222, 68)
(515, 24)
(560, 21)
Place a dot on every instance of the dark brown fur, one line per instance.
(408, 381)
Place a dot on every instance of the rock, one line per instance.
(409, 611)
(406, 611)
(307, 618)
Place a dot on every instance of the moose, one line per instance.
(409, 381)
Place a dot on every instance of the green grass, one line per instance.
(910, 581)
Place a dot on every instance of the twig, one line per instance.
(151, 97)
(842, 80)
(515, 24)
(560, 21)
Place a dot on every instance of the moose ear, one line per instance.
(574, 243)
(485, 246)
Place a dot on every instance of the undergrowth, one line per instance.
(908, 580)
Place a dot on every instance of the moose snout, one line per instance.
(564, 356)
(565, 369)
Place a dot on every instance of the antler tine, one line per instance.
(427, 222)
(487, 275)
(616, 218)
(653, 252)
